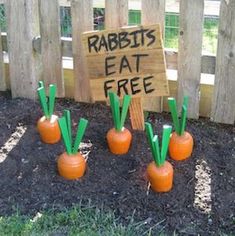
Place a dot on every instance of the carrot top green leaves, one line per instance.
(47, 105)
(179, 124)
(119, 117)
(65, 127)
(159, 155)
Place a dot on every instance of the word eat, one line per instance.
(124, 63)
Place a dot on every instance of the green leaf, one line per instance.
(40, 84)
(80, 132)
(52, 92)
(157, 157)
(114, 103)
(185, 102)
(43, 100)
(165, 142)
(65, 135)
(68, 122)
(149, 132)
(125, 105)
(183, 119)
(174, 114)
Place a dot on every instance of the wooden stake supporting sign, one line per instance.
(127, 61)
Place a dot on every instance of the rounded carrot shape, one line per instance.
(181, 142)
(119, 141)
(181, 146)
(49, 129)
(160, 177)
(119, 138)
(71, 166)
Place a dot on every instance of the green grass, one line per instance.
(78, 220)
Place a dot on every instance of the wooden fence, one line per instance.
(35, 48)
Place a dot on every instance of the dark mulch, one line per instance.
(30, 183)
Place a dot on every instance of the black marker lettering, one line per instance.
(123, 64)
(107, 66)
(107, 87)
(122, 84)
(92, 41)
(133, 85)
(123, 40)
(112, 41)
(146, 85)
(103, 43)
(151, 36)
(138, 56)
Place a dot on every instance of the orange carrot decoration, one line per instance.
(71, 164)
(160, 172)
(181, 142)
(47, 125)
(119, 138)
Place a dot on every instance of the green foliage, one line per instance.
(179, 124)
(65, 127)
(159, 156)
(47, 105)
(119, 117)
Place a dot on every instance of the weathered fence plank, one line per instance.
(3, 85)
(189, 56)
(223, 107)
(82, 20)
(51, 44)
(116, 13)
(23, 26)
(153, 11)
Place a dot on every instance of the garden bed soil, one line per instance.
(202, 200)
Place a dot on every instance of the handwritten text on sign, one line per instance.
(126, 61)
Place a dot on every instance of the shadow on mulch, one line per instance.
(201, 202)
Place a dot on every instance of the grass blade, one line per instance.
(183, 119)
(68, 122)
(165, 142)
(65, 135)
(43, 100)
(80, 132)
(125, 105)
(157, 157)
(52, 92)
(174, 114)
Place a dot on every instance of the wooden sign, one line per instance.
(126, 61)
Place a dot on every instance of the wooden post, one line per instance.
(116, 13)
(23, 26)
(153, 11)
(51, 44)
(3, 85)
(223, 106)
(189, 57)
(82, 20)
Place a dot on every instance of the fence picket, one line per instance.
(223, 106)
(153, 11)
(3, 85)
(82, 20)
(51, 44)
(23, 26)
(116, 13)
(189, 56)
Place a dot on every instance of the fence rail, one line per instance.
(34, 42)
